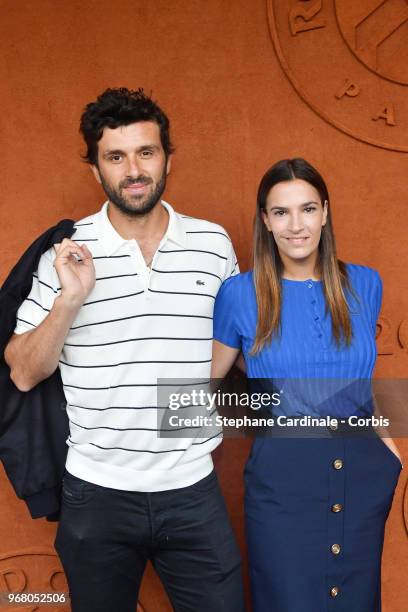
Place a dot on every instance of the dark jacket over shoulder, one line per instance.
(33, 424)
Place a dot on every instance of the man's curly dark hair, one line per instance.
(117, 107)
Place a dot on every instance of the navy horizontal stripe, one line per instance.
(136, 340)
(138, 450)
(187, 272)
(183, 293)
(24, 321)
(118, 297)
(136, 407)
(116, 276)
(45, 284)
(97, 279)
(132, 450)
(184, 384)
(142, 315)
(38, 304)
(114, 365)
(217, 435)
(133, 428)
(208, 232)
(109, 256)
(195, 251)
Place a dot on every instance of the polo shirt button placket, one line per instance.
(151, 271)
(135, 254)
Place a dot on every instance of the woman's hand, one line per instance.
(393, 448)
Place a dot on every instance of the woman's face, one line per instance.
(295, 215)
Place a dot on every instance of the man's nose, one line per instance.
(133, 167)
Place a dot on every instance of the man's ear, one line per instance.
(168, 164)
(95, 172)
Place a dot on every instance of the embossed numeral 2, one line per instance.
(384, 336)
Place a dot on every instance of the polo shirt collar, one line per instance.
(175, 230)
(111, 241)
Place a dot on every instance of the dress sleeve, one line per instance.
(225, 328)
(44, 290)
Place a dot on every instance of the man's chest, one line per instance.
(130, 300)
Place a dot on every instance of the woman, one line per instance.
(316, 506)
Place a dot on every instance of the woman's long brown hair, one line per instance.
(268, 266)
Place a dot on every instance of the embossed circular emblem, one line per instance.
(348, 61)
(31, 575)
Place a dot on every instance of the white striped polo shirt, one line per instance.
(137, 325)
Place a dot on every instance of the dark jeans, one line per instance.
(106, 536)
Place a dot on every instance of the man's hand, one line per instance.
(76, 271)
(34, 355)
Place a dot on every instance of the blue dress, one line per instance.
(315, 508)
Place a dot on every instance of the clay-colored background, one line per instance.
(212, 66)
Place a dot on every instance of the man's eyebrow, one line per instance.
(145, 147)
(112, 152)
(150, 147)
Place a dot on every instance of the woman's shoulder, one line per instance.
(362, 274)
(236, 286)
(241, 279)
(365, 282)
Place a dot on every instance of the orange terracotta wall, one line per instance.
(244, 84)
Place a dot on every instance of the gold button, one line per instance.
(334, 591)
(335, 548)
(337, 464)
(337, 508)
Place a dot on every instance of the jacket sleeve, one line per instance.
(33, 424)
(45, 288)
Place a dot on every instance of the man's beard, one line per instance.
(145, 203)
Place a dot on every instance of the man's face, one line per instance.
(132, 167)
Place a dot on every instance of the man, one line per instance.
(125, 304)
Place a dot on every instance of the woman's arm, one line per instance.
(393, 447)
(383, 433)
(223, 358)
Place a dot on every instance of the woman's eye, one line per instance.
(279, 213)
(310, 209)
(115, 158)
(146, 153)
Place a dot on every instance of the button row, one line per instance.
(336, 548)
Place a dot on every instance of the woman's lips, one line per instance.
(297, 240)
